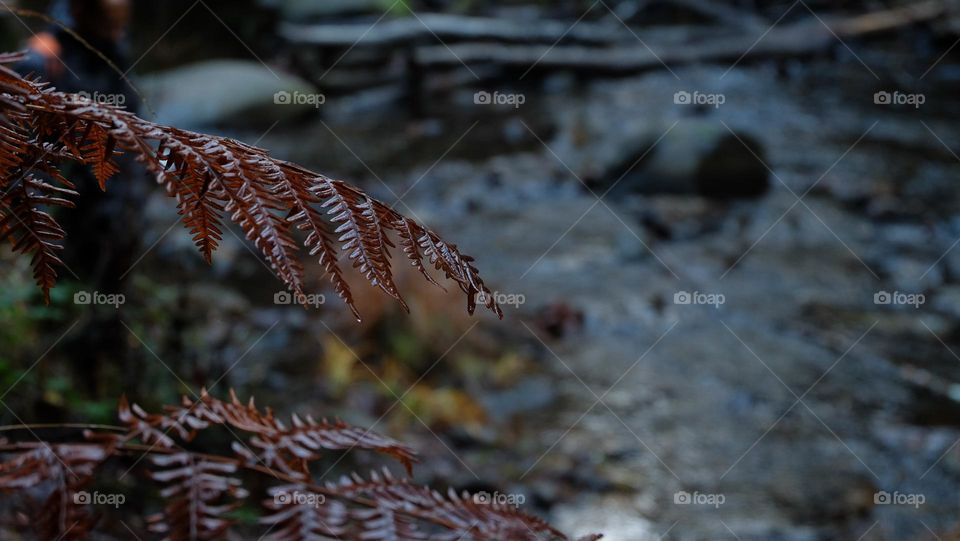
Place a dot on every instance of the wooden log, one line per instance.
(799, 39)
(891, 19)
(453, 28)
(807, 37)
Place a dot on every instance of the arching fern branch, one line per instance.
(210, 177)
(200, 491)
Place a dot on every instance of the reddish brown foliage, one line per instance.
(201, 490)
(211, 178)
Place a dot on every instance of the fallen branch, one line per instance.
(452, 28)
(798, 39)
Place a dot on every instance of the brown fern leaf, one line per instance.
(409, 232)
(360, 235)
(289, 448)
(272, 443)
(253, 206)
(153, 428)
(465, 517)
(419, 242)
(200, 207)
(383, 523)
(200, 493)
(296, 513)
(285, 448)
(268, 198)
(98, 152)
(14, 146)
(306, 217)
(32, 230)
(69, 468)
(384, 508)
(374, 236)
(12, 87)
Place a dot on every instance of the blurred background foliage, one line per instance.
(584, 398)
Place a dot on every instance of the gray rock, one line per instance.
(695, 157)
(224, 93)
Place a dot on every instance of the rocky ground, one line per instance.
(798, 399)
(791, 406)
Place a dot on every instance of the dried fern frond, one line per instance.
(383, 507)
(273, 443)
(296, 513)
(200, 491)
(68, 469)
(29, 228)
(466, 516)
(211, 178)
